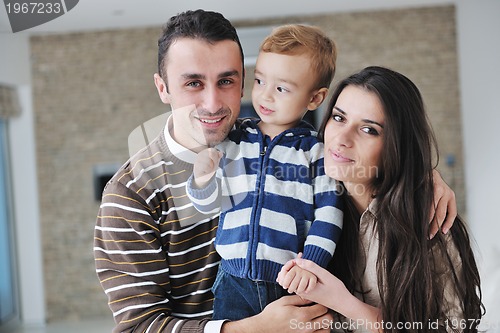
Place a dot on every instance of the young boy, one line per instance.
(274, 196)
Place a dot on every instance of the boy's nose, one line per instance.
(267, 93)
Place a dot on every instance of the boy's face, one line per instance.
(283, 90)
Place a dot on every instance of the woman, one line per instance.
(379, 144)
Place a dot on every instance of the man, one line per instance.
(154, 252)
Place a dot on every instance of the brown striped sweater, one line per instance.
(154, 252)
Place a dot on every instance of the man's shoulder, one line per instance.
(144, 157)
(145, 169)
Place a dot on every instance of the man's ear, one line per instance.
(317, 98)
(161, 87)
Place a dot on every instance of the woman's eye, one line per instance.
(370, 130)
(337, 117)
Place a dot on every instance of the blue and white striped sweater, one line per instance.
(275, 201)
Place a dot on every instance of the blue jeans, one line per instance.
(237, 298)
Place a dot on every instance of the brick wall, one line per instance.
(92, 89)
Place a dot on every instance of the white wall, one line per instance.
(479, 50)
(15, 70)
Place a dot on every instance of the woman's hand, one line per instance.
(327, 290)
(332, 293)
(444, 210)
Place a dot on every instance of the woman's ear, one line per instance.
(162, 89)
(317, 98)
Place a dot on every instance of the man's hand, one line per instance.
(205, 166)
(444, 210)
(287, 314)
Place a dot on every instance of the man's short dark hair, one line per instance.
(199, 24)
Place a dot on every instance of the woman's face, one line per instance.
(354, 137)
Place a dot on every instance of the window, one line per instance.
(8, 303)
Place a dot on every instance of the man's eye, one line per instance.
(194, 84)
(225, 82)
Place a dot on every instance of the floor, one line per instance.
(91, 326)
(106, 325)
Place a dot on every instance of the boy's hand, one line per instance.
(205, 166)
(298, 280)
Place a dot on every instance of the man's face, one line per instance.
(204, 90)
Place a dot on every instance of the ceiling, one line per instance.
(112, 14)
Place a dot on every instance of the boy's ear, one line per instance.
(162, 89)
(317, 98)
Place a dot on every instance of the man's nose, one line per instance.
(212, 100)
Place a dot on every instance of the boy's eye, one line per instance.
(281, 89)
(259, 81)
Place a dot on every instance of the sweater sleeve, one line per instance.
(132, 266)
(326, 227)
(206, 200)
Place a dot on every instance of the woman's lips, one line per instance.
(336, 156)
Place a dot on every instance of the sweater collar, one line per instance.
(176, 148)
(303, 128)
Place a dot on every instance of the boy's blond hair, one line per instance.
(297, 39)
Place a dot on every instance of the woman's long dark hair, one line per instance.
(404, 191)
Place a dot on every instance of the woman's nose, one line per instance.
(343, 137)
